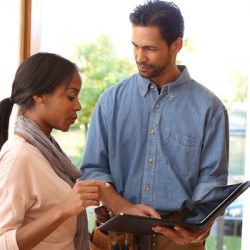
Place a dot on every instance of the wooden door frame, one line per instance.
(25, 29)
(30, 34)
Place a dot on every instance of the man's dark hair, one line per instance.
(164, 15)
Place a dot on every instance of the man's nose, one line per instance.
(140, 56)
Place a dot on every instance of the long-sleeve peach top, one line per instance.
(29, 188)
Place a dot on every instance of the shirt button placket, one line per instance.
(148, 178)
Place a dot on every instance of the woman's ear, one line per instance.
(38, 98)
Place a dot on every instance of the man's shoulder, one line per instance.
(193, 89)
(203, 93)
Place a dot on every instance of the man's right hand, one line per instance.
(140, 209)
(117, 204)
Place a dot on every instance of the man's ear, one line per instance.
(177, 45)
(38, 98)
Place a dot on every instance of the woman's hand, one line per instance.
(84, 194)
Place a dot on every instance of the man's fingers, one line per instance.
(149, 211)
(182, 236)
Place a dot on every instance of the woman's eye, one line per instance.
(71, 98)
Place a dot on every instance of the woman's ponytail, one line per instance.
(6, 106)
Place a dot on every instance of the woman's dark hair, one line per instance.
(164, 15)
(37, 75)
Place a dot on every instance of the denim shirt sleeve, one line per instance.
(214, 156)
(95, 164)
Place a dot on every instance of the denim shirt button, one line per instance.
(150, 160)
(147, 188)
(152, 132)
(171, 97)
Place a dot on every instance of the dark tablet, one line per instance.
(194, 216)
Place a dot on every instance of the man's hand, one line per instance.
(117, 204)
(140, 209)
(182, 236)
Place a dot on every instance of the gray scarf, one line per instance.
(60, 164)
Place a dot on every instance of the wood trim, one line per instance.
(25, 29)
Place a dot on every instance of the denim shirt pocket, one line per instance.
(182, 152)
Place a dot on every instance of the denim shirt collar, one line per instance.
(172, 88)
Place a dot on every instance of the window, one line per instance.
(216, 51)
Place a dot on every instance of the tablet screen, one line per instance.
(200, 210)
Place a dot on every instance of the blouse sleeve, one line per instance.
(8, 240)
(12, 211)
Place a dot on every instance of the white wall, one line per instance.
(9, 44)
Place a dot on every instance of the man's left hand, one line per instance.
(182, 236)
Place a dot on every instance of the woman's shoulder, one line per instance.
(18, 157)
(17, 146)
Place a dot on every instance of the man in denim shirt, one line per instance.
(159, 137)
